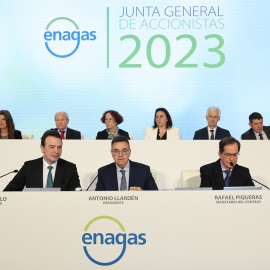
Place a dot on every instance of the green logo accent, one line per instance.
(104, 217)
(62, 18)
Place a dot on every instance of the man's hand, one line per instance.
(135, 189)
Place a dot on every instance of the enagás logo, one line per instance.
(63, 37)
(98, 246)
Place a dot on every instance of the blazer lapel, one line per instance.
(218, 136)
(236, 177)
(169, 134)
(252, 135)
(114, 177)
(219, 175)
(233, 178)
(267, 132)
(154, 133)
(38, 172)
(68, 134)
(58, 173)
(205, 133)
(132, 174)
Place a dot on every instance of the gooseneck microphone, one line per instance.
(248, 176)
(97, 176)
(15, 171)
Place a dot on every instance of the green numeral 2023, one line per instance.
(181, 63)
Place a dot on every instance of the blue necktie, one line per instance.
(123, 185)
(212, 135)
(49, 178)
(227, 178)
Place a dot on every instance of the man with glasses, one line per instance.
(225, 171)
(124, 174)
(212, 131)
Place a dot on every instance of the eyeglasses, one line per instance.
(117, 152)
(231, 155)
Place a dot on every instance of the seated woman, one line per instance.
(111, 119)
(162, 129)
(7, 127)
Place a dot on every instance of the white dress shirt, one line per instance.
(65, 134)
(210, 133)
(257, 136)
(224, 169)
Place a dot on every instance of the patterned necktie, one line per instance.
(49, 178)
(261, 137)
(227, 178)
(123, 185)
(212, 135)
(62, 134)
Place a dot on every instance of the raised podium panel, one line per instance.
(159, 230)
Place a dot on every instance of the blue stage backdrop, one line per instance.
(85, 57)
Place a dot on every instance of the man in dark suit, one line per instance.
(124, 174)
(48, 171)
(225, 171)
(212, 131)
(61, 121)
(257, 131)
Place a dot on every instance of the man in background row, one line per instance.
(225, 172)
(49, 171)
(212, 131)
(124, 174)
(61, 121)
(257, 131)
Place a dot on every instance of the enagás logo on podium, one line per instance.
(104, 244)
(63, 37)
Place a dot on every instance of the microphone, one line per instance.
(96, 176)
(248, 176)
(15, 171)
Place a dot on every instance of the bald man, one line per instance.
(61, 121)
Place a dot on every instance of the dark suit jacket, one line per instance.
(139, 176)
(103, 135)
(71, 134)
(31, 176)
(17, 134)
(202, 134)
(249, 135)
(212, 176)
